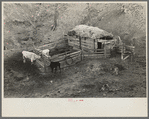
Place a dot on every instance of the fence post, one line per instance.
(122, 56)
(94, 45)
(45, 66)
(131, 56)
(105, 52)
(122, 52)
(80, 42)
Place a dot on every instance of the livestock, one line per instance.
(30, 55)
(54, 65)
(46, 53)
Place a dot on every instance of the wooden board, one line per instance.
(85, 45)
(95, 55)
(64, 59)
(88, 45)
(63, 64)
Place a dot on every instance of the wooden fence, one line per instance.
(65, 59)
(93, 53)
(127, 51)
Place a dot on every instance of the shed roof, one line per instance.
(90, 31)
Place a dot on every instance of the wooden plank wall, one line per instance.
(84, 43)
(87, 45)
(89, 48)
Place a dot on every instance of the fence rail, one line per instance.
(95, 55)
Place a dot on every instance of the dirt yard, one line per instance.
(89, 78)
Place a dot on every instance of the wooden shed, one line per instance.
(93, 41)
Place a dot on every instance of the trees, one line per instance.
(22, 18)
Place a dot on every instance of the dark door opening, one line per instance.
(99, 45)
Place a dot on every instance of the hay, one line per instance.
(89, 31)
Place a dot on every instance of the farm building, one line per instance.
(82, 41)
(93, 40)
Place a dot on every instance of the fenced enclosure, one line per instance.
(65, 59)
(82, 42)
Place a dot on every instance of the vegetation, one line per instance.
(42, 23)
(47, 22)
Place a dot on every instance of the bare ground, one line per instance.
(89, 78)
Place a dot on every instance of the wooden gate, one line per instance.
(127, 51)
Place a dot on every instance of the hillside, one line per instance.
(42, 23)
(35, 21)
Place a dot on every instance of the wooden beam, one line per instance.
(45, 67)
(105, 52)
(126, 57)
(131, 57)
(94, 45)
(40, 63)
(121, 56)
(80, 42)
(122, 52)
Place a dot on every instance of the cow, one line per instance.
(30, 55)
(54, 65)
(47, 56)
(46, 53)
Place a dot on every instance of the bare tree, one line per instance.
(88, 8)
(55, 17)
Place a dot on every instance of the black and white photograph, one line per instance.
(74, 50)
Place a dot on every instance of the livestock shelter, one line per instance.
(93, 41)
(61, 52)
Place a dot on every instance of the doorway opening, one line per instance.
(99, 45)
